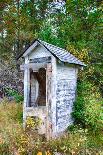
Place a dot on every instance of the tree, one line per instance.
(20, 23)
(79, 30)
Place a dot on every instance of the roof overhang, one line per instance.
(61, 54)
(28, 49)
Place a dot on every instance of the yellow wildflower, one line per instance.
(48, 153)
(39, 153)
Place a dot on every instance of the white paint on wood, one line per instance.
(39, 52)
(61, 81)
(30, 49)
(26, 59)
(34, 66)
(65, 96)
(26, 91)
(48, 100)
(66, 71)
(53, 90)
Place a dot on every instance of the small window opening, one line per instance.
(38, 88)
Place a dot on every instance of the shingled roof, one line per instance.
(60, 53)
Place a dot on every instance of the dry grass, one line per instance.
(16, 141)
(10, 123)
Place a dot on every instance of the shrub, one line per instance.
(12, 93)
(88, 109)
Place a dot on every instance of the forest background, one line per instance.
(75, 25)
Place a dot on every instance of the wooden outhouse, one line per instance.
(50, 80)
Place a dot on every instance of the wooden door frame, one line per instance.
(48, 101)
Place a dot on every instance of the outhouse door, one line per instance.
(44, 103)
(40, 96)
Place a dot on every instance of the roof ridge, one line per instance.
(66, 52)
(58, 52)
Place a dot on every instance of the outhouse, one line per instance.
(50, 80)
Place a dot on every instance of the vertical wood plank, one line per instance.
(53, 106)
(48, 101)
(26, 93)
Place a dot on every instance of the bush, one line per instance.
(17, 96)
(88, 109)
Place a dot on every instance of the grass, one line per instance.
(16, 141)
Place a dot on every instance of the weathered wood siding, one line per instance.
(39, 52)
(53, 96)
(46, 116)
(49, 100)
(61, 81)
(65, 96)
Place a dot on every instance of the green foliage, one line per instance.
(18, 97)
(80, 31)
(88, 106)
(4, 149)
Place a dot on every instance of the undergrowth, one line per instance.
(16, 141)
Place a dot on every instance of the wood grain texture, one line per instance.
(61, 83)
(48, 101)
(65, 96)
(41, 60)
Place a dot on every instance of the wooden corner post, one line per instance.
(49, 101)
(26, 93)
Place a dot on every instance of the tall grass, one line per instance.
(16, 141)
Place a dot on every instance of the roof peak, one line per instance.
(56, 51)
